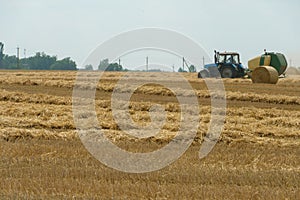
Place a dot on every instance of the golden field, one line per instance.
(257, 156)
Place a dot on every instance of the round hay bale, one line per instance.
(265, 74)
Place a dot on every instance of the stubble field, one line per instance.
(257, 156)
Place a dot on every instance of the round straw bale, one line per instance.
(265, 74)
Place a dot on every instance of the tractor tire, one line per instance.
(214, 72)
(204, 73)
(265, 74)
(228, 72)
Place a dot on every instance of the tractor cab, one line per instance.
(228, 58)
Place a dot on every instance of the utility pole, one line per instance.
(24, 64)
(183, 63)
(18, 57)
(147, 63)
(1, 54)
(119, 61)
(203, 61)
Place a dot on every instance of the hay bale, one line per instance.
(265, 74)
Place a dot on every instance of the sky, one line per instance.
(74, 29)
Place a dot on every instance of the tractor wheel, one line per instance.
(228, 72)
(204, 73)
(214, 72)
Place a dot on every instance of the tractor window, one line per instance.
(235, 59)
(228, 58)
(221, 59)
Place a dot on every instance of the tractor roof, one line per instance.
(229, 53)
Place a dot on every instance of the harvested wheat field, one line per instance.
(257, 155)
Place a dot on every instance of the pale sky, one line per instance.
(74, 28)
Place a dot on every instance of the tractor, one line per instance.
(226, 65)
(262, 69)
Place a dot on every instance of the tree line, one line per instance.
(106, 66)
(40, 61)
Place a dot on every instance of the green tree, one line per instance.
(40, 61)
(180, 70)
(24, 63)
(89, 67)
(64, 64)
(114, 67)
(192, 68)
(106, 66)
(9, 62)
(103, 65)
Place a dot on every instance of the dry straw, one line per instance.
(265, 74)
